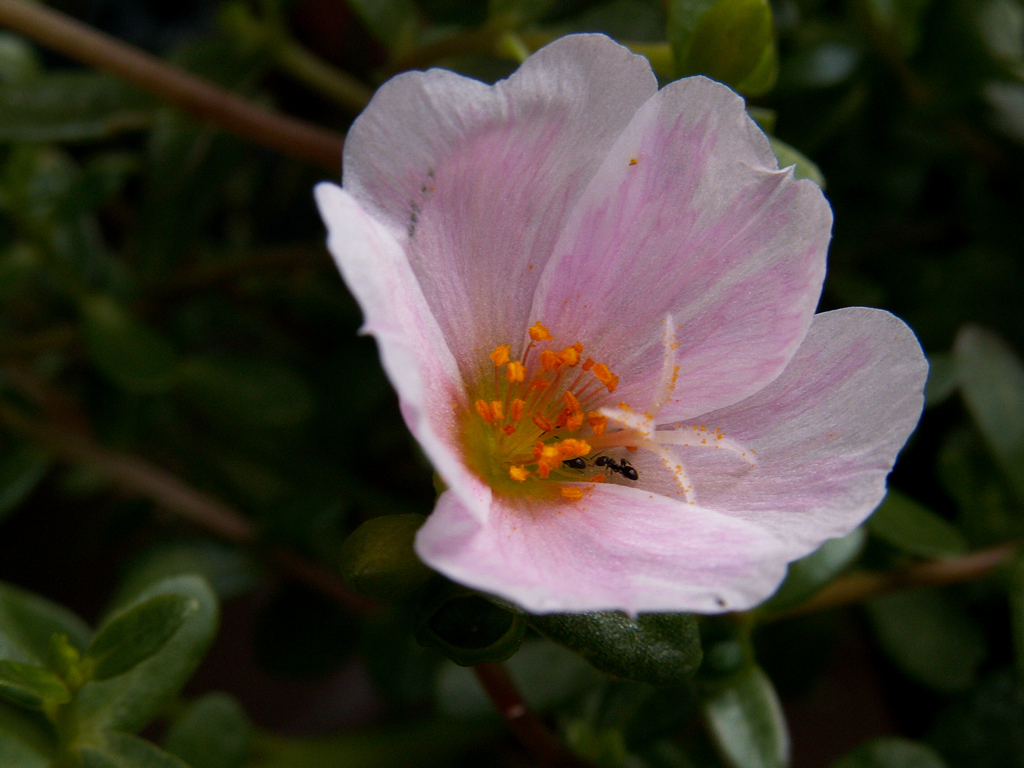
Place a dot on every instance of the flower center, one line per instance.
(534, 421)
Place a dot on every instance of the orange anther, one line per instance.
(602, 373)
(632, 448)
(597, 422)
(484, 410)
(508, 429)
(516, 410)
(570, 492)
(539, 333)
(549, 360)
(613, 384)
(574, 421)
(497, 410)
(542, 423)
(569, 356)
(571, 401)
(500, 355)
(518, 473)
(588, 364)
(516, 371)
(539, 384)
(571, 448)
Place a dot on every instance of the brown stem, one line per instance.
(524, 724)
(79, 41)
(863, 585)
(138, 477)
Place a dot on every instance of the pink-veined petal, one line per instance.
(476, 181)
(617, 548)
(413, 352)
(824, 434)
(690, 216)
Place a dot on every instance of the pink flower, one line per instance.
(596, 302)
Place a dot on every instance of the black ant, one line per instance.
(577, 463)
(623, 467)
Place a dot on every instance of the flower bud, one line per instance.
(378, 560)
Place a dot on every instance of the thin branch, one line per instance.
(526, 726)
(140, 478)
(81, 42)
(863, 585)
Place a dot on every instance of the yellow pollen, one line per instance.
(516, 371)
(549, 360)
(500, 355)
(569, 356)
(497, 410)
(539, 333)
(570, 492)
(518, 473)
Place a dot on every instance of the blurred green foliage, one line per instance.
(165, 297)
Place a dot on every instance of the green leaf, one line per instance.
(518, 12)
(809, 574)
(135, 634)
(28, 622)
(913, 528)
(805, 168)
(28, 685)
(71, 106)
(229, 570)
(656, 648)
(122, 750)
(891, 753)
(257, 393)
(19, 61)
(984, 728)
(20, 473)
(124, 349)
(214, 732)
(378, 561)
(392, 22)
(764, 75)
(929, 637)
(745, 720)
(1016, 598)
(943, 380)
(992, 382)
(129, 701)
(23, 741)
(900, 20)
(723, 39)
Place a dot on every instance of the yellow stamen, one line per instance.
(516, 411)
(516, 371)
(518, 473)
(549, 360)
(570, 355)
(500, 355)
(539, 333)
(484, 410)
(497, 410)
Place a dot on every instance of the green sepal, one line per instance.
(377, 560)
(745, 720)
(135, 634)
(655, 648)
(466, 626)
(31, 686)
